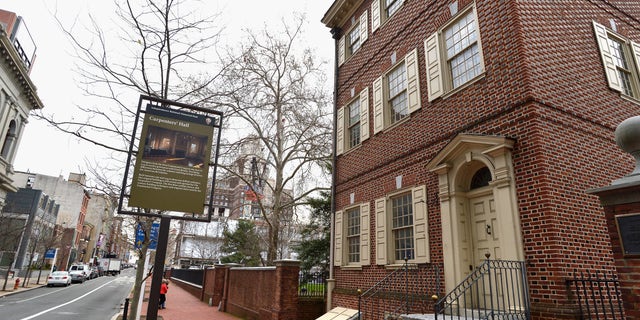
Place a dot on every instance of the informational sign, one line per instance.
(50, 253)
(172, 162)
(629, 230)
(153, 244)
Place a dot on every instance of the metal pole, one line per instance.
(125, 312)
(158, 268)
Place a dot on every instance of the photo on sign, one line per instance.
(175, 147)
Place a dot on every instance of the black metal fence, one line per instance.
(497, 289)
(194, 276)
(597, 295)
(312, 284)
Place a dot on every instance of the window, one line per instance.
(353, 123)
(349, 44)
(352, 229)
(401, 227)
(460, 59)
(396, 94)
(354, 40)
(353, 235)
(382, 10)
(618, 55)
(397, 85)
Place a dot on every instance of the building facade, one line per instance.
(18, 94)
(466, 128)
(28, 226)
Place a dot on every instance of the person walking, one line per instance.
(163, 294)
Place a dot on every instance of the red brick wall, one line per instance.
(628, 266)
(544, 86)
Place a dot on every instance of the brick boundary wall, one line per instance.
(621, 200)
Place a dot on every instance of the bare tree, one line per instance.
(274, 95)
(150, 48)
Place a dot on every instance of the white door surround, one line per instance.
(455, 165)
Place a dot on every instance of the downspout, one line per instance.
(335, 34)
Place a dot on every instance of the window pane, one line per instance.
(354, 39)
(620, 60)
(391, 6)
(354, 123)
(402, 224)
(353, 235)
(463, 53)
(397, 81)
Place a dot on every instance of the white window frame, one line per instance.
(341, 250)
(439, 73)
(344, 44)
(379, 14)
(381, 108)
(631, 53)
(385, 245)
(342, 125)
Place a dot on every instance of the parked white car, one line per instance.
(59, 278)
(79, 272)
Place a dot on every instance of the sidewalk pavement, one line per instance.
(31, 284)
(182, 305)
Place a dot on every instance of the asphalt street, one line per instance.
(96, 299)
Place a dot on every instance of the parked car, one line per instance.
(59, 278)
(79, 272)
(94, 272)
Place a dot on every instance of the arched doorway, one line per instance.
(478, 204)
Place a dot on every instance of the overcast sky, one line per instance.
(44, 150)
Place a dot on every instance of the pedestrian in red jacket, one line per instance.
(163, 293)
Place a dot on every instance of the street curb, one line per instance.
(10, 293)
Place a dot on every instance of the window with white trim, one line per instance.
(351, 236)
(397, 93)
(620, 57)
(353, 123)
(353, 39)
(402, 228)
(382, 10)
(454, 54)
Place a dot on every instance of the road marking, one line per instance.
(64, 304)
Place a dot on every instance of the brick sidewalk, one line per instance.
(182, 305)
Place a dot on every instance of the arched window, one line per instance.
(9, 140)
(481, 178)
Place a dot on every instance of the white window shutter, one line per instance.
(413, 81)
(364, 27)
(434, 70)
(364, 114)
(365, 247)
(635, 48)
(340, 132)
(378, 110)
(607, 57)
(341, 50)
(337, 240)
(420, 225)
(381, 231)
(375, 15)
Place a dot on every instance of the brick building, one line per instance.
(472, 127)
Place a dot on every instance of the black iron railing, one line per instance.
(497, 289)
(194, 276)
(406, 290)
(312, 284)
(597, 295)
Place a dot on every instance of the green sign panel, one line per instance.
(172, 163)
